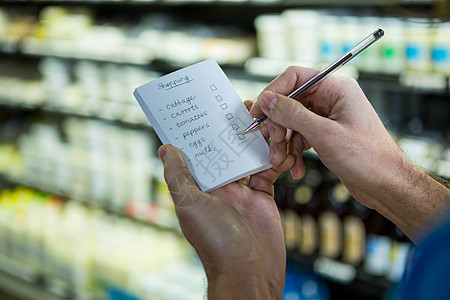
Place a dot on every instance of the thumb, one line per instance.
(291, 114)
(182, 186)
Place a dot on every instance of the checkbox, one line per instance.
(224, 106)
(213, 87)
(229, 116)
(235, 126)
(241, 137)
(219, 98)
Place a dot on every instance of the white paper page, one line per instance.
(197, 110)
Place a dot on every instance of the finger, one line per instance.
(292, 114)
(277, 133)
(289, 133)
(278, 152)
(297, 145)
(278, 143)
(286, 83)
(244, 181)
(269, 176)
(205, 220)
(264, 180)
(290, 79)
(182, 186)
(264, 130)
(248, 104)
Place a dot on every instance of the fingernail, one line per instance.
(268, 100)
(162, 151)
(294, 173)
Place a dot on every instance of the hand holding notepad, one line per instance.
(197, 110)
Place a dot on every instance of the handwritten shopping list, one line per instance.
(197, 110)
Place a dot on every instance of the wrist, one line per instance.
(244, 269)
(412, 199)
(244, 282)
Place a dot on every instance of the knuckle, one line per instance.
(351, 81)
(292, 68)
(293, 112)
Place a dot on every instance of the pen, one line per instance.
(350, 54)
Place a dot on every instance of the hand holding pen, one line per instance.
(349, 55)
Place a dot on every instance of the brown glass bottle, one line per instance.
(354, 233)
(331, 219)
(302, 197)
(290, 218)
(307, 198)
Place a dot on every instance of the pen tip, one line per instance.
(379, 33)
(246, 131)
(252, 126)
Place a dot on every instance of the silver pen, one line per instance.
(349, 55)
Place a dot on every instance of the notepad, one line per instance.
(197, 110)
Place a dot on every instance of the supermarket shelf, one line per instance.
(262, 69)
(268, 3)
(70, 113)
(266, 69)
(356, 2)
(13, 49)
(339, 275)
(356, 284)
(420, 81)
(22, 289)
(34, 48)
(168, 225)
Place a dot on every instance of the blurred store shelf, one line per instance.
(339, 274)
(233, 2)
(75, 147)
(157, 217)
(22, 289)
(81, 252)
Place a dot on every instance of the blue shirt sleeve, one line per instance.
(429, 273)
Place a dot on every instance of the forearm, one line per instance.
(413, 200)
